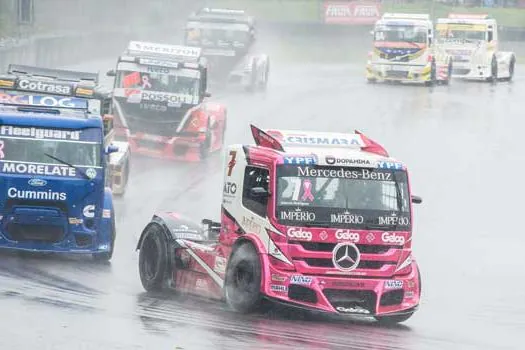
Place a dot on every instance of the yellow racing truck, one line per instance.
(404, 51)
(472, 41)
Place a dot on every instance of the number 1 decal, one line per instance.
(232, 162)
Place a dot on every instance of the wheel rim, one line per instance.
(151, 259)
(243, 276)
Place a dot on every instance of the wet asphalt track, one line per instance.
(464, 146)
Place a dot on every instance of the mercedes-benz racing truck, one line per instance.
(227, 38)
(55, 193)
(472, 42)
(159, 101)
(404, 51)
(319, 221)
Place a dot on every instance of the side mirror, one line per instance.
(207, 94)
(416, 199)
(111, 73)
(258, 192)
(111, 149)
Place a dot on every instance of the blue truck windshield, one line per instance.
(35, 145)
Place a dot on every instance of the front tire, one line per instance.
(493, 71)
(106, 256)
(432, 80)
(242, 285)
(153, 259)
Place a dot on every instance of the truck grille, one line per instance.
(376, 260)
(461, 71)
(365, 299)
(37, 233)
(396, 74)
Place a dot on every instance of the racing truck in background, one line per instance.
(78, 84)
(158, 100)
(404, 51)
(55, 164)
(227, 38)
(472, 41)
(320, 221)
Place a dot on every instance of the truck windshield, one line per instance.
(342, 197)
(401, 33)
(30, 145)
(461, 33)
(185, 83)
(217, 35)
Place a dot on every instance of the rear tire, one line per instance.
(242, 285)
(106, 256)
(153, 259)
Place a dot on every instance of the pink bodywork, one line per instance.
(379, 277)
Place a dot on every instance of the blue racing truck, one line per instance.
(54, 165)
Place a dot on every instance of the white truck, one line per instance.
(472, 41)
(404, 51)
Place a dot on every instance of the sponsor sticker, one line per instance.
(279, 288)
(297, 215)
(91, 173)
(106, 213)
(89, 211)
(392, 237)
(75, 221)
(393, 284)
(250, 225)
(278, 278)
(301, 280)
(43, 101)
(352, 310)
(300, 160)
(38, 169)
(409, 294)
(220, 264)
(42, 86)
(390, 165)
(48, 195)
(230, 188)
(37, 182)
(39, 133)
(201, 284)
(394, 220)
(324, 140)
(357, 174)
(346, 218)
(299, 234)
(347, 235)
(331, 160)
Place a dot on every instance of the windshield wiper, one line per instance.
(84, 175)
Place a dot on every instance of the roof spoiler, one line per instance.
(59, 74)
(271, 140)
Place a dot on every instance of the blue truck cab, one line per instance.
(54, 168)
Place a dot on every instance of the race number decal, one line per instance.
(2, 155)
(306, 187)
(232, 162)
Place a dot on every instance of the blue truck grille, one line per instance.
(37, 233)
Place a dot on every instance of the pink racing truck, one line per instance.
(321, 221)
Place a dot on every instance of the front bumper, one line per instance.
(345, 295)
(70, 244)
(398, 72)
(471, 71)
(181, 147)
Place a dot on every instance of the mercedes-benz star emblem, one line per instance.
(346, 256)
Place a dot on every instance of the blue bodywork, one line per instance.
(54, 207)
